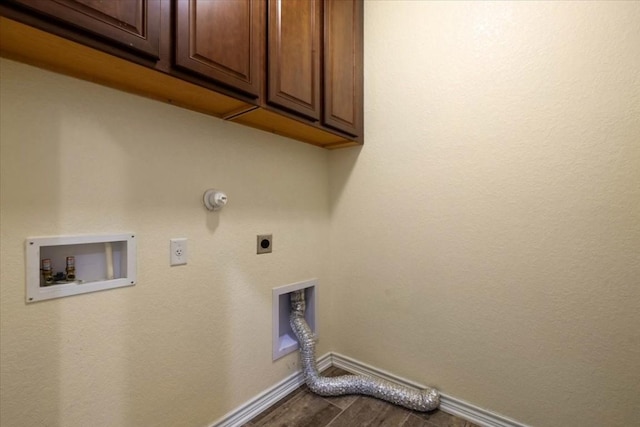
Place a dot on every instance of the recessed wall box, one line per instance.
(99, 262)
(284, 340)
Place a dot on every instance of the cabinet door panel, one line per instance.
(131, 23)
(294, 56)
(221, 40)
(343, 101)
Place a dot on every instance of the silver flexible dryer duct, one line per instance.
(418, 400)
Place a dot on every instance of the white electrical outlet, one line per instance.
(179, 253)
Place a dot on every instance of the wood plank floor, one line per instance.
(304, 408)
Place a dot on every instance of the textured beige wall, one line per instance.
(186, 344)
(486, 239)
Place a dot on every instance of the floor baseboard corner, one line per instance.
(448, 404)
(267, 398)
(271, 396)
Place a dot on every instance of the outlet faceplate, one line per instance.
(178, 251)
(265, 244)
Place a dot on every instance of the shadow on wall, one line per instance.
(341, 165)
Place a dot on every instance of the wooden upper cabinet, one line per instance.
(343, 73)
(294, 31)
(291, 67)
(221, 40)
(134, 24)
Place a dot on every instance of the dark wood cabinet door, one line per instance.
(134, 24)
(221, 40)
(294, 56)
(343, 73)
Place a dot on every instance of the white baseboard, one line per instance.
(269, 397)
(448, 404)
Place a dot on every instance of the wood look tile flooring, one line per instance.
(302, 408)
